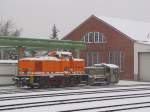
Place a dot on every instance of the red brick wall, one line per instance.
(115, 40)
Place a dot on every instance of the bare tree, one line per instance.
(16, 33)
(54, 35)
(8, 29)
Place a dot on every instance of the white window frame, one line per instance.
(95, 36)
(109, 57)
(83, 39)
(97, 57)
(115, 59)
(102, 38)
(99, 35)
(121, 60)
(86, 38)
(89, 37)
(87, 57)
(92, 58)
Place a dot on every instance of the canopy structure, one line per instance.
(41, 43)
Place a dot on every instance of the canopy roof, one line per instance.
(42, 43)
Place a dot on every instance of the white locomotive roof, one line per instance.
(75, 59)
(41, 58)
(48, 58)
(53, 57)
(64, 52)
(108, 65)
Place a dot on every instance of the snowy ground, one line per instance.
(126, 96)
(124, 82)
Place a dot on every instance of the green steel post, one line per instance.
(78, 53)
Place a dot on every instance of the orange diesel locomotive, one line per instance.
(56, 69)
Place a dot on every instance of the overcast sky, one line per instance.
(36, 17)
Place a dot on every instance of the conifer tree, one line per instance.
(54, 35)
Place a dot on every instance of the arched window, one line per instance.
(93, 37)
(90, 37)
(98, 37)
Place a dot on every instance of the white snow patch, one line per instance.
(126, 82)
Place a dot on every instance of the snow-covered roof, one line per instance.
(108, 65)
(144, 42)
(137, 30)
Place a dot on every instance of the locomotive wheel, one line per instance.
(72, 82)
(66, 81)
(91, 81)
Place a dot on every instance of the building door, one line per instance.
(144, 66)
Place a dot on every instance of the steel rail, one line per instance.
(69, 101)
(70, 93)
(110, 106)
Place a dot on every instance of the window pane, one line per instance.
(86, 37)
(100, 38)
(121, 60)
(91, 37)
(98, 57)
(96, 37)
(110, 57)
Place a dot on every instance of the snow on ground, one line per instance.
(71, 106)
(64, 107)
(8, 87)
(126, 82)
(74, 97)
(66, 91)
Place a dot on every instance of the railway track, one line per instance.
(72, 93)
(28, 90)
(72, 101)
(114, 108)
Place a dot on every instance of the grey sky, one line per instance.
(36, 17)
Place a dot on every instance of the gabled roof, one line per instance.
(137, 30)
(133, 30)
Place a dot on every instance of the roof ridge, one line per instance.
(93, 16)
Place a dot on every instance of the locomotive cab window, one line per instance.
(107, 70)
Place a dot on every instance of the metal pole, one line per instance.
(78, 53)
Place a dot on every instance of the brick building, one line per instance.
(106, 43)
